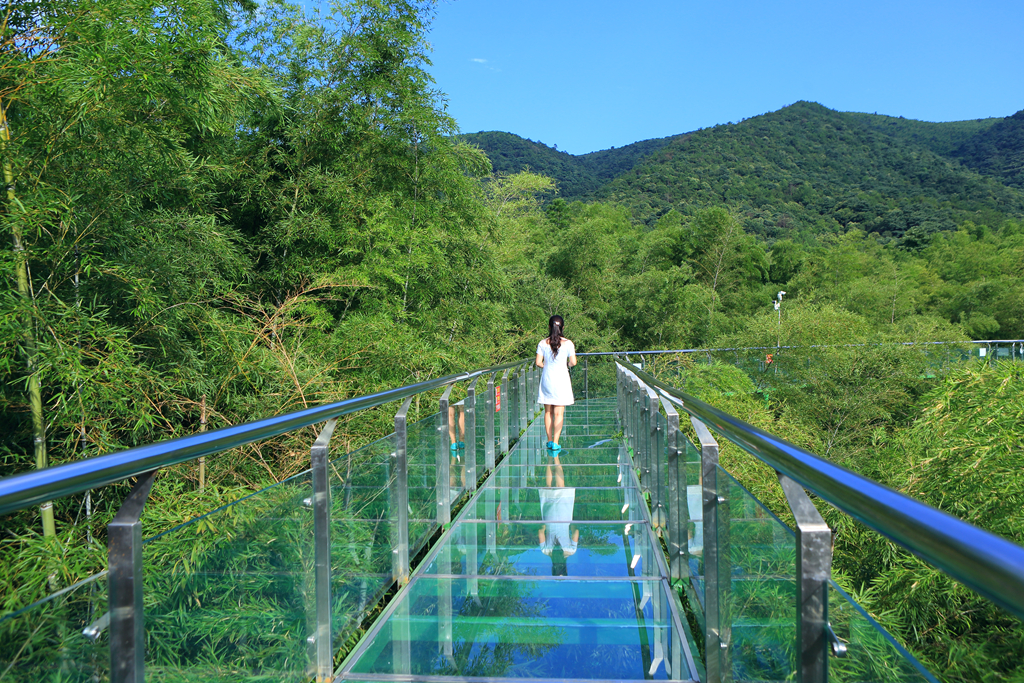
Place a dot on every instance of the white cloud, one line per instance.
(478, 60)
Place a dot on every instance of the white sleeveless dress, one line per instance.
(555, 387)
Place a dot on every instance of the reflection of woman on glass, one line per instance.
(556, 355)
(556, 508)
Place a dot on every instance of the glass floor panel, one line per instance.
(529, 629)
(587, 550)
(579, 476)
(550, 571)
(561, 505)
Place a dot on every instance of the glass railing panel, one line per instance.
(539, 629)
(47, 641)
(421, 450)
(480, 405)
(601, 381)
(458, 466)
(555, 549)
(230, 595)
(694, 534)
(362, 528)
(871, 653)
(756, 586)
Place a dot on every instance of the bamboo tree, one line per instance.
(35, 393)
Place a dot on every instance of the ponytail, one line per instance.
(555, 327)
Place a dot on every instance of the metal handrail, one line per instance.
(986, 563)
(23, 490)
(809, 346)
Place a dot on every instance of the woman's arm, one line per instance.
(540, 360)
(571, 360)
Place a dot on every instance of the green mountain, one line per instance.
(801, 172)
(578, 176)
(998, 150)
(942, 138)
(806, 170)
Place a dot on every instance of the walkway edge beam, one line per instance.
(984, 562)
(38, 486)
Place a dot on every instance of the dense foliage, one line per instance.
(223, 212)
(925, 423)
(998, 151)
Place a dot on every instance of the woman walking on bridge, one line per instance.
(555, 354)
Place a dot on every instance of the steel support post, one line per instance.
(657, 450)
(443, 460)
(649, 403)
(319, 456)
(586, 385)
(524, 393)
(505, 404)
(471, 456)
(813, 570)
(400, 497)
(489, 426)
(676, 520)
(717, 569)
(124, 580)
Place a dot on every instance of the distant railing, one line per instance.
(986, 563)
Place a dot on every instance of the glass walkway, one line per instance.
(550, 571)
(459, 548)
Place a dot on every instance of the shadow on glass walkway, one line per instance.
(632, 555)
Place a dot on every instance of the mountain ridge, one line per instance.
(799, 172)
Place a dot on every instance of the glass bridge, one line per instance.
(457, 548)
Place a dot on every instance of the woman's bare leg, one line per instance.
(558, 418)
(549, 420)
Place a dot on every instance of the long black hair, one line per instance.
(555, 327)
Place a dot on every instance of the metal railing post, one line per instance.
(649, 407)
(489, 426)
(657, 451)
(524, 418)
(322, 551)
(470, 437)
(717, 561)
(586, 386)
(124, 580)
(400, 496)
(505, 398)
(443, 460)
(677, 522)
(813, 570)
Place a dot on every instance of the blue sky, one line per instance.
(589, 75)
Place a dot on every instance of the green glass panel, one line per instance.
(613, 504)
(229, 595)
(693, 513)
(871, 653)
(524, 549)
(549, 629)
(570, 475)
(599, 454)
(756, 586)
(362, 534)
(421, 449)
(45, 640)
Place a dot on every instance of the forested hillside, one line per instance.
(806, 171)
(577, 177)
(802, 172)
(997, 150)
